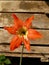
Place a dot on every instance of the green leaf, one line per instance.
(7, 61)
(1, 63)
(2, 57)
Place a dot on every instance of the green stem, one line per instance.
(21, 55)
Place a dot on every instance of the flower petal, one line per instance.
(33, 34)
(11, 29)
(15, 43)
(27, 44)
(19, 42)
(17, 21)
(28, 22)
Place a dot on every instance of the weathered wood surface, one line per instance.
(34, 49)
(20, 0)
(5, 37)
(33, 55)
(40, 20)
(39, 47)
(24, 6)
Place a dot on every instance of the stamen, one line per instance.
(22, 31)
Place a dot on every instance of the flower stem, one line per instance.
(21, 55)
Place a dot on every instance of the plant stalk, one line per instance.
(21, 55)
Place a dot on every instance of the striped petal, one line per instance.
(28, 22)
(11, 29)
(17, 21)
(33, 34)
(27, 44)
(15, 43)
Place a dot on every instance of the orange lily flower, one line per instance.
(22, 32)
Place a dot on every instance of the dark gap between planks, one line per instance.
(42, 45)
(25, 53)
(47, 15)
(33, 28)
(47, 2)
(25, 12)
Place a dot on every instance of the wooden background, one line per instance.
(25, 9)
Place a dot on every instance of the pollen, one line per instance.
(22, 31)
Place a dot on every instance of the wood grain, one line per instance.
(24, 6)
(20, 0)
(6, 37)
(35, 51)
(24, 55)
(25, 9)
(40, 20)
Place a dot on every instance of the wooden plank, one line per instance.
(20, 0)
(24, 55)
(24, 6)
(40, 20)
(6, 37)
(34, 50)
(42, 52)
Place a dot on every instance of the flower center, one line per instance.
(22, 31)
